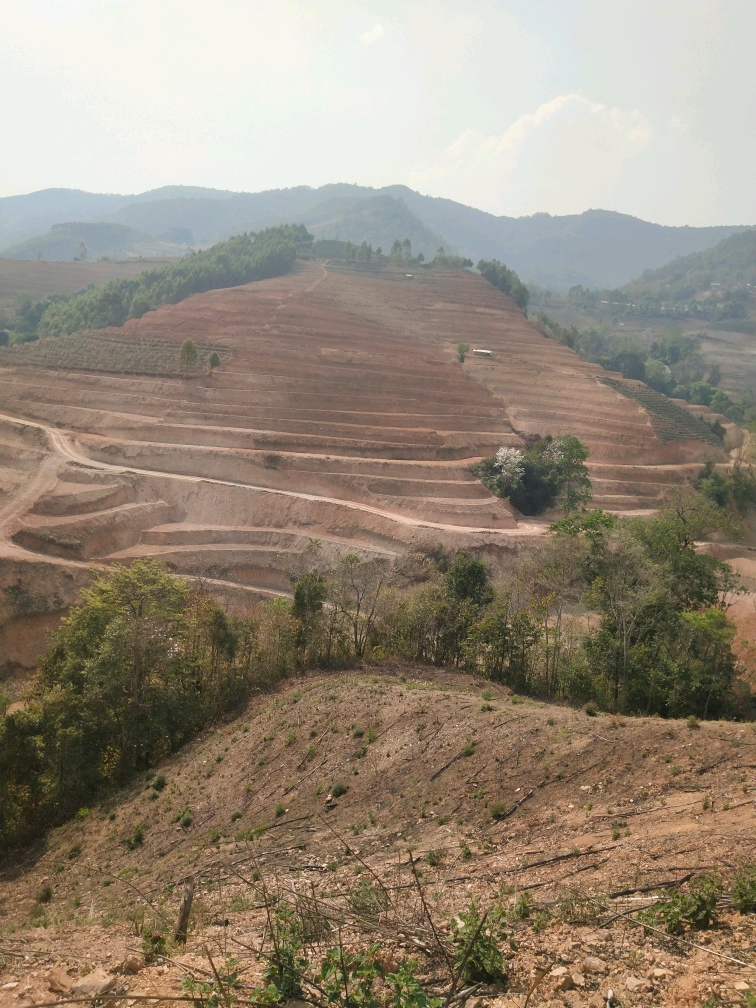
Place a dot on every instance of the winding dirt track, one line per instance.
(65, 449)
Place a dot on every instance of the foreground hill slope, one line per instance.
(594, 816)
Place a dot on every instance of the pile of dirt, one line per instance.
(323, 788)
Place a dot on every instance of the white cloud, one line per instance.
(569, 154)
(375, 33)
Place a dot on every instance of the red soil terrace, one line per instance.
(339, 413)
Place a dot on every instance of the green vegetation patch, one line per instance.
(95, 351)
(670, 421)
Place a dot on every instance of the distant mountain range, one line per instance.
(598, 248)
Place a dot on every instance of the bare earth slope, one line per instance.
(339, 413)
(591, 809)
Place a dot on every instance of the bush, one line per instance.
(744, 889)
(339, 789)
(484, 963)
(533, 481)
(499, 810)
(695, 908)
(135, 838)
(120, 687)
(45, 893)
(506, 280)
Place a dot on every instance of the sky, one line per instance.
(647, 107)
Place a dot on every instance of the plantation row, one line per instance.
(88, 351)
(669, 420)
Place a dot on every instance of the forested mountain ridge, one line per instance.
(598, 248)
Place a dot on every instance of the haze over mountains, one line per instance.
(597, 248)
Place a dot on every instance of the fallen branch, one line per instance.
(293, 787)
(445, 767)
(517, 805)
(671, 884)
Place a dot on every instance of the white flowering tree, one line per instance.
(510, 466)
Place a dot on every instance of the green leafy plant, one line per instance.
(744, 889)
(694, 907)
(222, 989)
(135, 838)
(463, 349)
(475, 949)
(286, 964)
(154, 945)
(406, 989)
(338, 789)
(498, 810)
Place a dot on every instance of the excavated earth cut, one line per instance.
(339, 421)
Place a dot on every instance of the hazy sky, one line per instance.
(518, 106)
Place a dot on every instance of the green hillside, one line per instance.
(76, 240)
(730, 263)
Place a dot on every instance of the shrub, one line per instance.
(435, 857)
(280, 810)
(367, 899)
(744, 889)
(695, 907)
(45, 893)
(237, 814)
(463, 349)
(154, 946)
(135, 838)
(338, 789)
(591, 709)
(498, 810)
(692, 722)
(484, 963)
(468, 749)
(159, 782)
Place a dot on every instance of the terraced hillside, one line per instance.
(339, 414)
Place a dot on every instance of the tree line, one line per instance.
(671, 364)
(617, 614)
(239, 260)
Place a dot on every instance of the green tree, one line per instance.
(213, 361)
(467, 579)
(463, 349)
(131, 674)
(188, 355)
